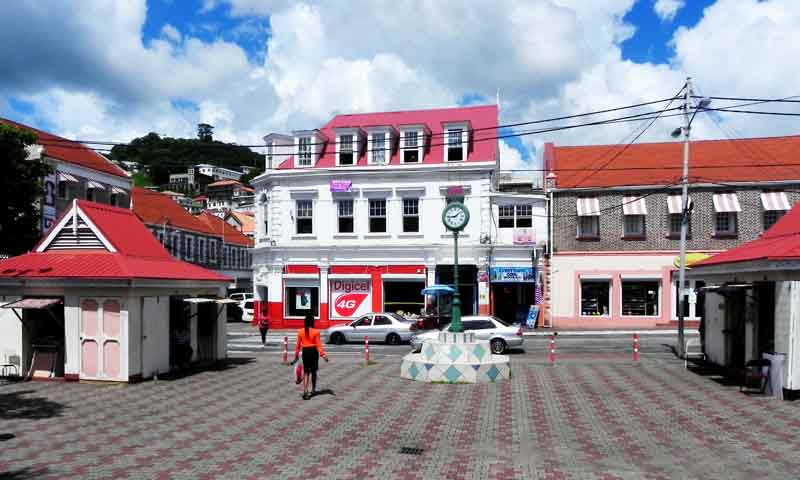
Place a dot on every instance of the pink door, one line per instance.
(100, 340)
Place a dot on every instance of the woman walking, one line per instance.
(308, 340)
(263, 327)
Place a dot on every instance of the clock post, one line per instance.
(455, 217)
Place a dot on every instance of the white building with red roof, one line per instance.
(78, 173)
(349, 216)
(100, 299)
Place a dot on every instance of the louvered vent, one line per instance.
(67, 240)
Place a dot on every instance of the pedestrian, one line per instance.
(308, 340)
(263, 327)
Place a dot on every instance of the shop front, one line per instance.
(467, 285)
(512, 292)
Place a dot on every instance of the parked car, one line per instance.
(380, 327)
(501, 336)
(247, 310)
(241, 296)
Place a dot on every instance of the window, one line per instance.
(305, 217)
(188, 248)
(455, 151)
(364, 321)
(377, 215)
(304, 151)
(201, 250)
(411, 147)
(345, 208)
(381, 320)
(410, 215)
(300, 301)
(634, 225)
(595, 299)
(62, 189)
(346, 150)
(506, 214)
(772, 216)
(113, 199)
(213, 250)
(589, 226)
(379, 148)
(524, 216)
(90, 194)
(675, 225)
(725, 223)
(640, 297)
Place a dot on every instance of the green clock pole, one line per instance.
(455, 325)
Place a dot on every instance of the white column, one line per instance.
(323, 284)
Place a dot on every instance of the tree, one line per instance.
(21, 191)
(205, 132)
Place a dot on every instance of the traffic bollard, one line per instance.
(366, 350)
(552, 356)
(635, 347)
(285, 350)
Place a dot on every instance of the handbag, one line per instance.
(298, 373)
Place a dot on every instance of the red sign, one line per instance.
(346, 305)
(350, 297)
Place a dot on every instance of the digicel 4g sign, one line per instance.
(350, 298)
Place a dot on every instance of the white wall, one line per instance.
(716, 348)
(155, 335)
(10, 332)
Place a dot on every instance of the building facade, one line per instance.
(616, 229)
(348, 220)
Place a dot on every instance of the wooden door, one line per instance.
(101, 345)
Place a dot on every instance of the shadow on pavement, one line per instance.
(324, 391)
(18, 405)
(24, 473)
(227, 364)
(6, 436)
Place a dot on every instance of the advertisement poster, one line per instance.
(350, 297)
(512, 274)
(303, 299)
(533, 314)
(49, 202)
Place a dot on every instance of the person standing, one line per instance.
(309, 342)
(263, 327)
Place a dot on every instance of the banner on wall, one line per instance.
(512, 274)
(350, 297)
(49, 202)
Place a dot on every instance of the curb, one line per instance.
(564, 333)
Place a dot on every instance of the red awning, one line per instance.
(33, 303)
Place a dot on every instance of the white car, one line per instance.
(247, 310)
(500, 335)
(241, 297)
(379, 327)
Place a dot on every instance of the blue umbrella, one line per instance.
(437, 290)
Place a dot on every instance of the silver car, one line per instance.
(380, 327)
(501, 336)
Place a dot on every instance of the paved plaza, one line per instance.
(593, 416)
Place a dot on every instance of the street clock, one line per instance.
(455, 216)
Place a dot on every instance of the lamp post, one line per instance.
(455, 217)
(686, 131)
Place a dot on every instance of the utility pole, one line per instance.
(687, 98)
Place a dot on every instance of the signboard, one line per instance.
(533, 314)
(524, 236)
(49, 202)
(341, 186)
(512, 274)
(350, 297)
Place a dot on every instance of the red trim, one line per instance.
(377, 292)
(630, 252)
(301, 269)
(364, 269)
(72, 377)
(324, 317)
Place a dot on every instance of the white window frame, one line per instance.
(640, 221)
(610, 296)
(379, 150)
(421, 134)
(298, 215)
(410, 215)
(370, 216)
(452, 127)
(340, 149)
(306, 141)
(733, 223)
(351, 216)
(503, 214)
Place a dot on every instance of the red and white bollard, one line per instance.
(366, 350)
(635, 347)
(285, 350)
(552, 356)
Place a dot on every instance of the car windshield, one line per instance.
(248, 305)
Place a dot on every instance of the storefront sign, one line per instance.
(341, 186)
(350, 298)
(524, 236)
(511, 274)
(49, 202)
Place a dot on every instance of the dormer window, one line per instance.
(411, 147)
(349, 143)
(412, 143)
(456, 142)
(304, 152)
(380, 144)
(308, 146)
(379, 154)
(346, 150)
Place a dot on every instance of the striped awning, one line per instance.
(95, 185)
(66, 177)
(726, 202)
(634, 205)
(775, 201)
(674, 203)
(118, 191)
(588, 206)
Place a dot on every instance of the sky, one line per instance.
(112, 71)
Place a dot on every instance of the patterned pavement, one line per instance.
(591, 416)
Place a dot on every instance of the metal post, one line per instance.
(455, 325)
(684, 218)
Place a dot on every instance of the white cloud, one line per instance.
(511, 159)
(171, 33)
(667, 9)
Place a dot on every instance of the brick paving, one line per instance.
(591, 416)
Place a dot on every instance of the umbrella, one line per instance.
(437, 290)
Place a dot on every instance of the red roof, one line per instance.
(224, 183)
(155, 208)
(742, 160)
(222, 229)
(71, 152)
(781, 242)
(138, 254)
(481, 119)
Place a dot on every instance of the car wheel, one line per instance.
(337, 338)
(498, 346)
(393, 339)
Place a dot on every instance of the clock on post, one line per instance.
(455, 217)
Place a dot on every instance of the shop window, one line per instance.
(595, 297)
(634, 225)
(305, 217)
(725, 223)
(640, 297)
(403, 297)
(377, 215)
(506, 216)
(345, 208)
(589, 226)
(771, 217)
(301, 301)
(411, 215)
(524, 216)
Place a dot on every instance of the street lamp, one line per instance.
(686, 129)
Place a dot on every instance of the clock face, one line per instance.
(455, 216)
